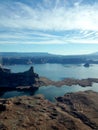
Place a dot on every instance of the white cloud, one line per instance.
(21, 16)
(88, 41)
(24, 34)
(60, 18)
(33, 42)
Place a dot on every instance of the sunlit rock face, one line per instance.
(73, 111)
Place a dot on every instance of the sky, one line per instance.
(65, 27)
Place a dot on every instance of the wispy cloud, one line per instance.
(47, 17)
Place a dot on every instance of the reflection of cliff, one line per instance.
(8, 79)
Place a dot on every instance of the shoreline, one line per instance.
(68, 81)
(43, 81)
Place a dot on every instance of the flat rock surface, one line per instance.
(43, 81)
(77, 111)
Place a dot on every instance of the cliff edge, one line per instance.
(77, 111)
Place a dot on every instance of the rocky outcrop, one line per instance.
(78, 111)
(83, 106)
(86, 65)
(43, 81)
(30, 80)
(11, 81)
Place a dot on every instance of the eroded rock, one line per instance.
(35, 112)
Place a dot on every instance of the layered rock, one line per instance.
(43, 81)
(78, 111)
(82, 106)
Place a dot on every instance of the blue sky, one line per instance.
(54, 26)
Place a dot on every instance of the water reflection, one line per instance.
(50, 92)
(15, 93)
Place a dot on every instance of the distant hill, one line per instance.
(41, 54)
(23, 54)
(12, 58)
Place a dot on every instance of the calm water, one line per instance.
(50, 92)
(56, 72)
(59, 71)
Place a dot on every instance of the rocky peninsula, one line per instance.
(73, 111)
(67, 81)
(30, 80)
(18, 81)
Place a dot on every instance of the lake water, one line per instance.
(60, 71)
(56, 72)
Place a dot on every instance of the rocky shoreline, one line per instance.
(29, 80)
(43, 81)
(73, 111)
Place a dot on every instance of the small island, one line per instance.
(86, 65)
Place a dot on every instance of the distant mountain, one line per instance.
(42, 54)
(11, 58)
(36, 54)
(23, 54)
